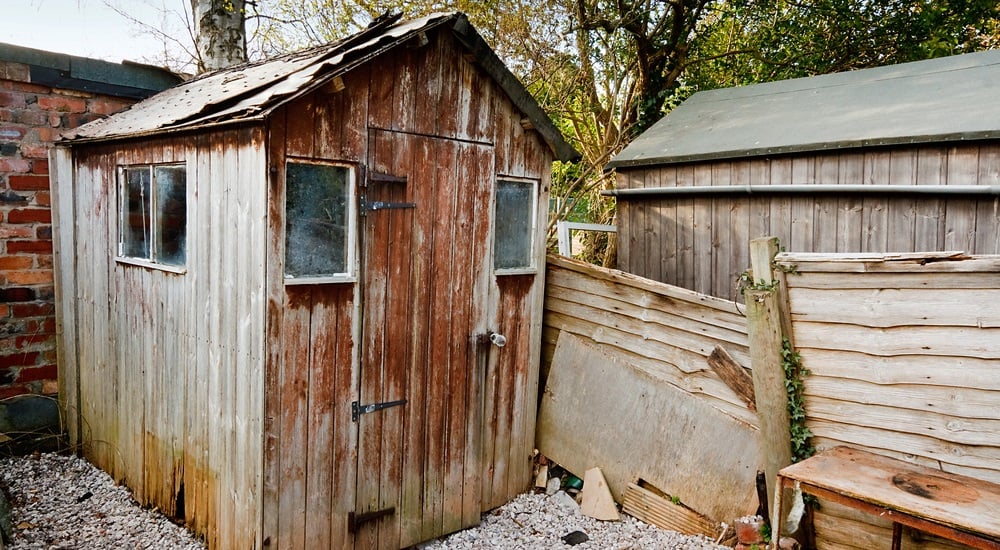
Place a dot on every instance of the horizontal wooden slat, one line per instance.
(963, 372)
(890, 307)
(916, 339)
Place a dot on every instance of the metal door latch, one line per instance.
(357, 409)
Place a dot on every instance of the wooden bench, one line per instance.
(951, 506)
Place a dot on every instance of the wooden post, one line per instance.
(764, 331)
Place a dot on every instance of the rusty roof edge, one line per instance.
(345, 67)
(513, 87)
(164, 131)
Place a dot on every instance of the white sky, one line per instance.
(90, 28)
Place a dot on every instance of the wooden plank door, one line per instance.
(426, 241)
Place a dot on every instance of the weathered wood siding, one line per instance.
(665, 331)
(905, 361)
(169, 366)
(447, 126)
(700, 242)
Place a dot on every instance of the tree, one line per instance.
(220, 35)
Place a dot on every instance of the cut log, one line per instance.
(597, 500)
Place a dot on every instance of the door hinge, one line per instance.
(382, 205)
(357, 409)
(355, 520)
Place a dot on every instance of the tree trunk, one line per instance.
(219, 33)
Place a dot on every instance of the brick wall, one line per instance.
(31, 118)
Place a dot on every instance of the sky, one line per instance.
(91, 28)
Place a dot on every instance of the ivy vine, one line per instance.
(791, 362)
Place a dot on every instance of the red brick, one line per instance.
(50, 387)
(29, 183)
(63, 104)
(106, 107)
(18, 359)
(12, 100)
(15, 165)
(31, 88)
(35, 150)
(16, 262)
(46, 135)
(31, 310)
(21, 232)
(18, 294)
(31, 277)
(43, 232)
(40, 166)
(29, 215)
(44, 261)
(43, 247)
(21, 342)
(43, 198)
(43, 372)
(6, 392)
(29, 117)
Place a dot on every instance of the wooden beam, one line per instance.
(732, 373)
(765, 336)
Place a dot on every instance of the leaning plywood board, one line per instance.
(598, 410)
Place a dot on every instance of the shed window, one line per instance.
(319, 231)
(514, 219)
(153, 209)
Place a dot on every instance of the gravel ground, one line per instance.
(63, 502)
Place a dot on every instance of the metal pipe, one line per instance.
(984, 190)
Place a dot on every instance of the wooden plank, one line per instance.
(597, 501)
(591, 392)
(733, 374)
(900, 281)
(62, 182)
(616, 276)
(916, 340)
(655, 509)
(894, 420)
(957, 402)
(291, 526)
(765, 333)
(274, 326)
(701, 231)
(952, 500)
(889, 307)
(952, 372)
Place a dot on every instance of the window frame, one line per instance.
(120, 187)
(532, 266)
(351, 261)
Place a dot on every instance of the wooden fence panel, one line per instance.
(665, 331)
(904, 354)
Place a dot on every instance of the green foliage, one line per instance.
(765, 531)
(791, 362)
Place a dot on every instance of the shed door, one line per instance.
(426, 226)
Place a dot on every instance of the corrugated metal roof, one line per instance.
(250, 92)
(938, 100)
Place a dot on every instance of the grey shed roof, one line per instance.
(126, 79)
(252, 91)
(938, 100)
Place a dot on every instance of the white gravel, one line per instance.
(63, 502)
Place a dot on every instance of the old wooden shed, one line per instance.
(893, 159)
(300, 301)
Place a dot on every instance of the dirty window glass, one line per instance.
(154, 213)
(317, 212)
(514, 217)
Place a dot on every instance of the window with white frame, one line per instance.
(319, 221)
(153, 213)
(514, 222)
